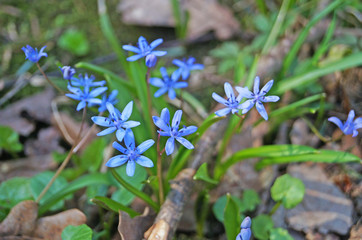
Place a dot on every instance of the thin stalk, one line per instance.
(159, 171)
(46, 77)
(315, 131)
(275, 208)
(65, 162)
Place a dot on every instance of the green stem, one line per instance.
(135, 191)
(159, 171)
(315, 131)
(275, 208)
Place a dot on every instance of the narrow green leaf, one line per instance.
(231, 218)
(81, 232)
(114, 206)
(195, 103)
(262, 224)
(326, 156)
(288, 190)
(202, 174)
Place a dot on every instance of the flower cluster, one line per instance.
(245, 231)
(350, 126)
(233, 104)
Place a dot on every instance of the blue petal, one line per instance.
(102, 121)
(144, 146)
(111, 109)
(178, 63)
(107, 131)
(261, 110)
(120, 148)
(176, 75)
(246, 106)
(229, 91)
(130, 124)
(117, 161)
(131, 166)
(160, 123)
(127, 111)
(120, 134)
(129, 139)
(357, 123)
(219, 99)
(197, 66)
(159, 53)
(144, 161)
(163, 72)
(81, 105)
(160, 92)
(134, 57)
(185, 142)
(94, 101)
(97, 91)
(256, 85)
(73, 96)
(246, 223)
(187, 130)
(170, 146)
(244, 92)
(355, 133)
(336, 121)
(271, 99)
(185, 73)
(266, 88)
(165, 115)
(180, 85)
(131, 48)
(171, 93)
(177, 118)
(223, 112)
(157, 82)
(156, 42)
(245, 234)
(142, 44)
(350, 117)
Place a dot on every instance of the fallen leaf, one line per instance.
(356, 232)
(134, 228)
(205, 16)
(46, 143)
(51, 227)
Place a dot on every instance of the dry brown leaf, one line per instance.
(205, 16)
(46, 143)
(21, 220)
(134, 228)
(51, 227)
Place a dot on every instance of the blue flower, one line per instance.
(116, 121)
(33, 54)
(186, 66)
(245, 231)
(167, 84)
(85, 96)
(173, 131)
(68, 72)
(131, 154)
(145, 50)
(86, 81)
(110, 99)
(231, 103)
(257, 98)
(350, 126)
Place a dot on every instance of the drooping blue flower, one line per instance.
(350, 126)
(245, 231)
(145, 50)
(186, 66)
(131, 154)
(232, 102)
(33, 54)
(116, 121)
(167, 84)
(82, 81)
(68, 72)
(112, 98)
(173, 131)
(85, 95)
(257, 98)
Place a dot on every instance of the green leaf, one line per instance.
(92, 156)
(74, 41)
(219, 206)
(14, 191)
(274, 151)
(326, 156)
(202, 174)
(279, 234)
(288, 190)
(261, 226)
(114, 206)
(9, 140)
(84, 181)
(249, 201)
(231, 218)
(81, 232)
(38, 183)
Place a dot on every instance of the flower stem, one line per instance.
(159, 171)
(50, 82)
(316, 132)
(65, 162)
(275, 208)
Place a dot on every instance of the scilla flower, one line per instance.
(68, 72)
(231, 103)
(245, 231)
(173, 131)
(116, 121)
(85, 95)
(131, 154)
(112, 99)
(257, 98)
(350, 126)
(145, 50)
(86, 81)
(33, 54)
(186, 66)
(167, 84)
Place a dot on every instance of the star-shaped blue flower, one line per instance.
(33, 54)
(68, 72)
(173, 131)
(257, 98)
(85, 96)
(145, 50)
(116, 121)
(350, 126)
(112, 98)
(167, 84)
(131, 154)
(186, 66)
(232, 102)
(81, 81)
(245, 231)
